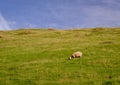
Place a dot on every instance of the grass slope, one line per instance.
(39, 57)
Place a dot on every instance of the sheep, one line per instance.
(76, 55)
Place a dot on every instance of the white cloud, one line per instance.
(111, 2)
(101, 16)
(12, 22)
(30, 25)
(52, 25)
(3, 23)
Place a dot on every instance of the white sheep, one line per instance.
(76, 55)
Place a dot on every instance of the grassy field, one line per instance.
(40, 57)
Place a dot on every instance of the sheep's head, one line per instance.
(70, 58)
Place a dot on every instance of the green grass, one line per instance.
(40, 57)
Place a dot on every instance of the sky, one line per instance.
(61, 14)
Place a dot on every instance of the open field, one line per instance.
(40, 57)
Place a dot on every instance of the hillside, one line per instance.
(40, 57)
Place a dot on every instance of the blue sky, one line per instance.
(62, 14)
